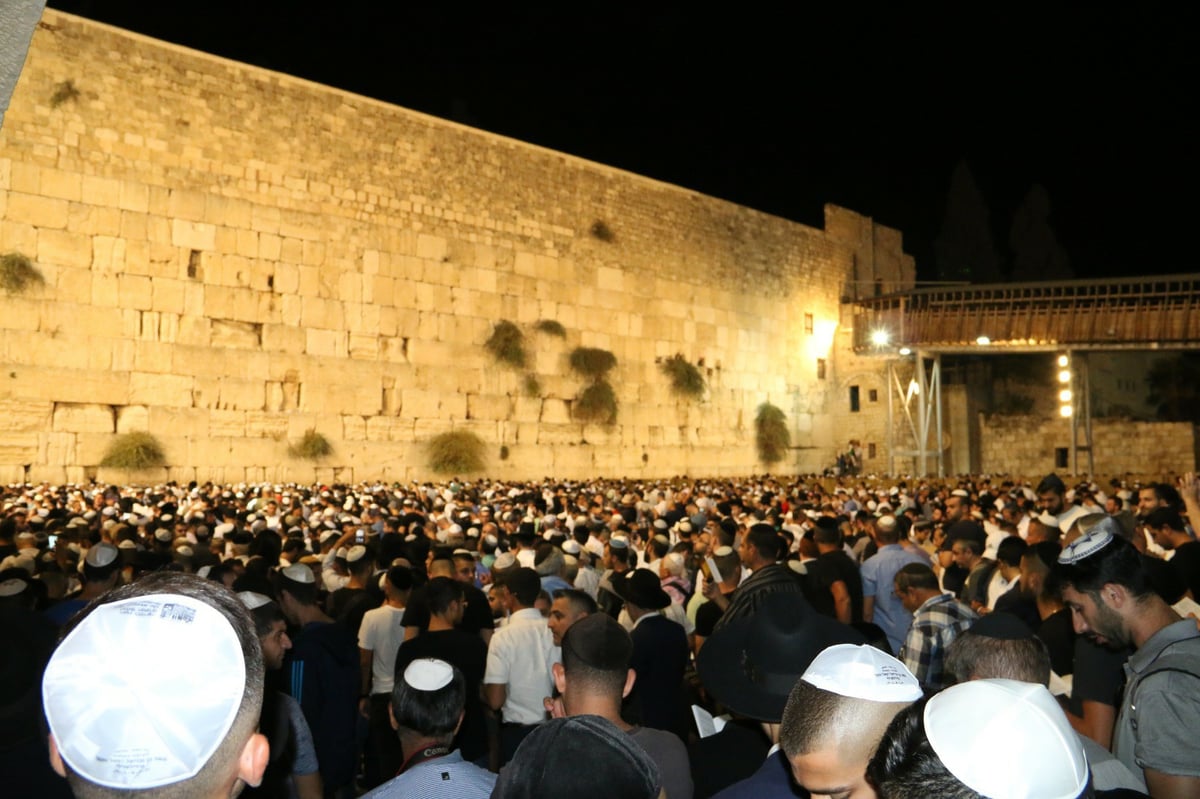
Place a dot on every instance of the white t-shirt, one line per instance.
(382, 632)
(519, 658)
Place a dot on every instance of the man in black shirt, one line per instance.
(833, 583)
(445, 640)
(477, 614)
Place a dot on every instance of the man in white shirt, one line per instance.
(518, 674)
(379, 638)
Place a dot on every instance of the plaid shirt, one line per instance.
(935, 624)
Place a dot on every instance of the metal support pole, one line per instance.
(936, 399)
(922, 416)
(1073, 384)
(891, 417)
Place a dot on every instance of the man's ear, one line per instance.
(461, 715)
(560, 677)
(630, 679)
(56, 761)
(253, 761)
(1114, 595)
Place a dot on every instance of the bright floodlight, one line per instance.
(905, 351)
(1064, 395)
(983, 341)
(1064, 376)
(1065, 411)
(879, 338)
(1063, 360)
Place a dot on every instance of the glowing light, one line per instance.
(1064, 395)
(914, 388)
(905, 351)
(983, 341)
(1065, 411)
(1064, 376)
(821, 342)
(1063, 360)
(880, 338)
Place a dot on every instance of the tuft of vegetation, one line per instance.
(504, 452)
(312, 446)
(600, 230)
(550, 327)
(592, 362)
(597, 404)
(771, 433)
(134, 452)
(507, 344)
(532, 386)
(685, 377)
(17, 273)
(64, 92)
(456, 452)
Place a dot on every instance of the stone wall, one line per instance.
(1026, 445)
(233, 257)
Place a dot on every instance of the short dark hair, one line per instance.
(1164, 517)
(400, 577)
(970, 543)
(596, 650)
(265, 616)
(1116, 562)
(905, 766)
(440, 592)
(524, 584)
(916, 575)
(763, 539)
(827, 532)
(434, 713)
(1010, 550)
(1051, 484)
(580, 601)
(972, 656)
(1166, 493)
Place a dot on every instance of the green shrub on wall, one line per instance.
(550, 328)
(685, 377)
(597, 404)
(592, 362)
(771, 434)
(311, 446)
(507, 344)
(17, 273)
(532, 386)
(134, 452)
(456, 452)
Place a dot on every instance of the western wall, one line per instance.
(233, 257)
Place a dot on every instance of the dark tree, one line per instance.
(1174, 385)
(1037, 253)
(964, 249)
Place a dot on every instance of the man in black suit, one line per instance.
(660, 653)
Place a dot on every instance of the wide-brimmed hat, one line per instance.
(751, 664)
(641, 587)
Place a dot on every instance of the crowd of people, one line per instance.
(757, 637)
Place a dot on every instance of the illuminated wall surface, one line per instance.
(233, 256)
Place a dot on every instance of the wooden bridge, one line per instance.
(1160, 312)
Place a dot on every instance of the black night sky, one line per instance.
(867, 106)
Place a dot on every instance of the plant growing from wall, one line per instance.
(134, 452)
(507, 344)
(532, 386)
(456, 452)
(600, 230)
(550, 327)
(312, 446)
(17, 273)
(597, 403)
(64, 92)
(771, 433)
(592, 362)
(685, 377)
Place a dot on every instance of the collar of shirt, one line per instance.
(645, 616)
(935, 600)
(526, 615)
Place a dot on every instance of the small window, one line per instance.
(873, 396)
(808, 323)
(871, 451)
(1061, 455)
(820, 368)
(854, 403)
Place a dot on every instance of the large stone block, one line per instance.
(171, 391)
(65, 385)
(24, 416)
(83, 418)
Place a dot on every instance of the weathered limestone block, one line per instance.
(262, 424)
(124, 476)
(550, 434)
(66, 385)
(389, 428)
(555, 411)
(57, 449)
(354, 428)
(363, 347)
(83, 418)
(60, 248)
(187, 423)
(25, 416)
(172, 391)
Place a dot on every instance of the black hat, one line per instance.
(641, 587)
(751, 664)
(548, 763)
